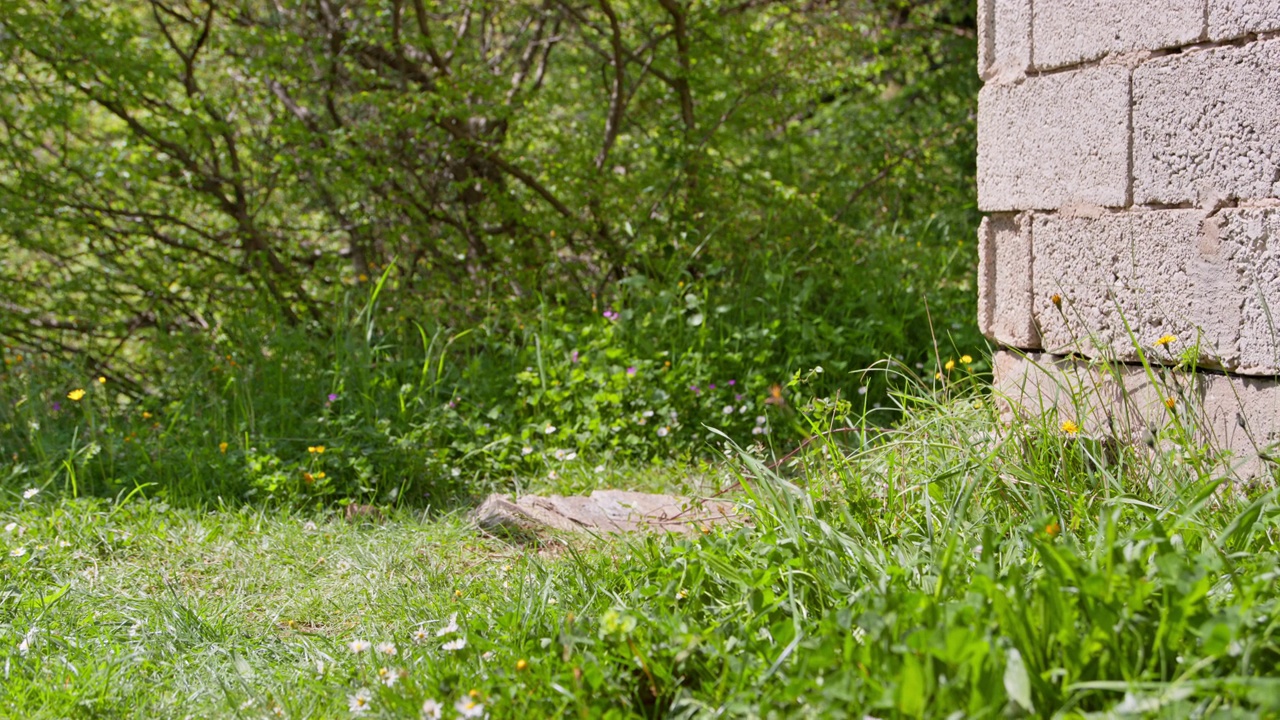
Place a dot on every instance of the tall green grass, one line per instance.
(945, 567)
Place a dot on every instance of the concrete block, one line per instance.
(1131, 278)
(1250, 240)
(1205, 127)
(1055, 141)
(1236, 416)
(1068, 32)
(1229, 19)
(1004, 281)
(1004, 38)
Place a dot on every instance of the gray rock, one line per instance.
(605, 511)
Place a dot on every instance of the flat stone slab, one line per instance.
(606, 511)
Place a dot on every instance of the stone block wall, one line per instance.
(1129, 166)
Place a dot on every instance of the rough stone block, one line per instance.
(1205, 126)
(1074, 31)
(1227, 414)
(1055, 141)
(1230, 19)
(1126, 279)
(1004, 38)
(1004, 281)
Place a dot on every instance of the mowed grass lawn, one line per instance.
(938, 570)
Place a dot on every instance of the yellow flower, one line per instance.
(1166, 339)
(364, 278)
(317, 449)
(146, 415)
(1070, 428)
(522, 665)
(951, 365)
(222, 447)
(76, 395)
(1056, 299)
(966, 359)
(320, 475)
(102, 380)
(1170, 402)
(1052, 529)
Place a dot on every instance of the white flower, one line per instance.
(309, 526)
(456, 472)
(63, 544)
(388, 676)
(571, 456)
(431, 709)
(420, 635)
(523, 451)
(663, 431)
(561, 454)
(728, 410)
(360, 702)
(599, 469)
(760, 419)
(10, 527)
(488, 655)
(742, 408)
(30, 493)
(454, 644)
(553, 475)
(469, 708)
(647, 414)
(358, 646)
(549, 429)
(386, 648)
(18, 552)
(862, 389)
(343, 566)
(449, 627)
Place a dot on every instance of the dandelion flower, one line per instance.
(222, 448)
(966, 359)
(1070, 427)
(664, 431)
(358, 646)
(76, 395)
(30, 493)
(1165, 340)
(469, 708)
(522, 665)
(432, 709)
(453, 645)
(102, 380)
(449, 627)
(386, 648)
(360, 703)
(1056, 299)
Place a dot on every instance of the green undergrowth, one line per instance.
(945, 567)
(410, 410)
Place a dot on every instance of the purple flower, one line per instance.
(712, 386)
(573, 357)
(695, 389)
(610, 315)
(732, 383)
(57, 406)
(737, 396)
(631, 371)
(333, 397)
